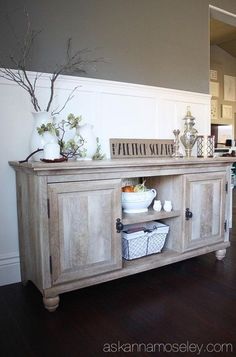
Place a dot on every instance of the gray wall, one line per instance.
(155, 42)
(223, 60)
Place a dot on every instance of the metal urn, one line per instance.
(189, 136)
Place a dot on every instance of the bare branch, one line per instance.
(12, 29)
(20, 76)
(38, 75)
(74, 63)
(70, 96)
(34, 100)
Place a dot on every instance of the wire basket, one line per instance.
(139, 241)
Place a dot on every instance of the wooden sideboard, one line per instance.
(67, 218)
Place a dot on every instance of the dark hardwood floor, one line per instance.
(191, 302)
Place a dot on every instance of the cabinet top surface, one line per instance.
(122, 163)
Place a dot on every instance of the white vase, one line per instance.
(38, 141)
(51, 151)
(90, 143)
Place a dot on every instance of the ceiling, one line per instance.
(223, 35)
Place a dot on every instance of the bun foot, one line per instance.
(51, 303)
(25, 282)
(220, 254)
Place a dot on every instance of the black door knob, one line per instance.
(188, 214)
(119, 225)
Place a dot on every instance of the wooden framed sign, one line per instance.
(134, 148)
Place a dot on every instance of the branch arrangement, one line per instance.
(73, 148)
(74, 63)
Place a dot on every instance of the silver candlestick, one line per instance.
(176, 152)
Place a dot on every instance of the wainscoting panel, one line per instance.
(125, 116)
(9, 268)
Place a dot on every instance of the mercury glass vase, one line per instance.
(189, 136)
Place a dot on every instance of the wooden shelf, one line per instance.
(167, 256)
(151, 215)
(152, 259)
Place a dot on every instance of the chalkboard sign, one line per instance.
(134, 148)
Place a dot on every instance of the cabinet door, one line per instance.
(83, 238)
(205, 198)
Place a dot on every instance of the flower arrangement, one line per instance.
(98, 154)
(72, 148)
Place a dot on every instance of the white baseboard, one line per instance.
(9, 269)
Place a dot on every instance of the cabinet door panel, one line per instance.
(205, 197)
(83, 238)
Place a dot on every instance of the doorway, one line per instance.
(223, 75)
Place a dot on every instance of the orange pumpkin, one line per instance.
(128, 189)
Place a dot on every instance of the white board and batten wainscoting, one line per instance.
(117, 110)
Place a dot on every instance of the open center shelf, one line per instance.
(151, 215)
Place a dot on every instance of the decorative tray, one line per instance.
(61, 159)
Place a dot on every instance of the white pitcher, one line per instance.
(38, 141)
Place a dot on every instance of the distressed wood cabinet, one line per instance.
(206, 196)
(68, 212)
(83, 239)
